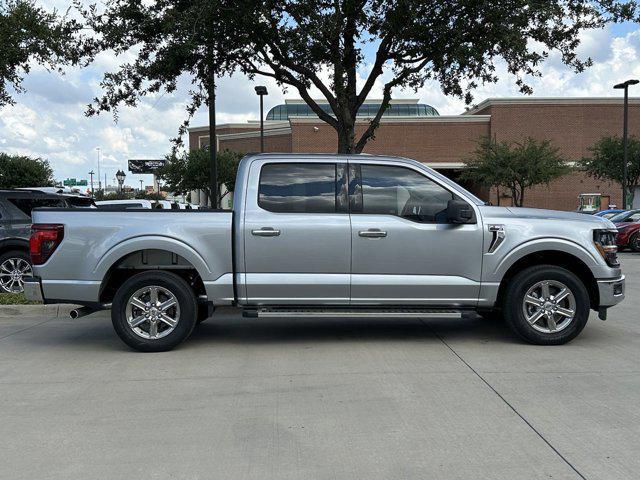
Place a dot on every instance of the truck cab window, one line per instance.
(399, 191)
(298, 187)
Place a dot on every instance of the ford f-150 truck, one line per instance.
(329, 235)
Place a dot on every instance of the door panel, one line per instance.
(416, 258)
(297, 234)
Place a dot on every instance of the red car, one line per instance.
(628, 224)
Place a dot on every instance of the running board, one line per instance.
(280, 312)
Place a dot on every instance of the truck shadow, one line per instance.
(222, 331)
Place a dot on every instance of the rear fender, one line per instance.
(121, 250)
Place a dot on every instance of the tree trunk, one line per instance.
(346, 139)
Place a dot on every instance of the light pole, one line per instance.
(120, 176)
(99, 185)
(91, 174)
(625, 128)
(261, 90)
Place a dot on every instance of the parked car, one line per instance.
(628, 216)
(329, 235)
(608, 213)
(125, 204)
(628, 225)
(74, 196)
(629, 236)
(15, 228)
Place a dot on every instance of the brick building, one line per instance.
(417, 131)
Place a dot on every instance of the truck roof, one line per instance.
(27, 194)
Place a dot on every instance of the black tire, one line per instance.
(16, 255)
(514, 299)
(634, 242)
(186, 301)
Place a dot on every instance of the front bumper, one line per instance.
(611, 291)
(33, 289)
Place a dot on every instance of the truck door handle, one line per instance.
(265, 232)
(372, 233)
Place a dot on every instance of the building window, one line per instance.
(298, 187)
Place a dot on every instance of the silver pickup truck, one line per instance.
(329, 235)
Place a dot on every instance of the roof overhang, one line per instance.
(515, 101)
(250, 125)
(434, 119)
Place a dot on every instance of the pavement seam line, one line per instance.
(26, 328)
(506, 402)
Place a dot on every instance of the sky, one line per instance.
(49, 121)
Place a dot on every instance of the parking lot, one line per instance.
(256, 399)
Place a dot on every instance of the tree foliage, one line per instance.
(31, 35)
(345, 49)
(191, 170)
(515, 166)
(17, 171)
(606, 162)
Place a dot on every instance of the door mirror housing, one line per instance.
(459, 211)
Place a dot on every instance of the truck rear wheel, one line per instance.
(154, 311)
(546, 305)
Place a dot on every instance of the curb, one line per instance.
(53, 310)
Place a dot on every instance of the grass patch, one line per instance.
(15, 299)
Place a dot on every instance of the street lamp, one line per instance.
(91, 174)
(120, 176)
(105, 182)
(625, 167)
(261, 90)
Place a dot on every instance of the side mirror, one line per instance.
(459, 211)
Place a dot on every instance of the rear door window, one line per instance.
(298, 187)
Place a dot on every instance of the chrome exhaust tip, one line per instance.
(80, 312)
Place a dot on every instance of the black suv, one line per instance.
(15, 228)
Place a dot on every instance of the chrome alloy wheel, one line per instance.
(12, 273)
(152, 312)
(549, 306)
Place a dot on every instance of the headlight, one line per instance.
(605, 242)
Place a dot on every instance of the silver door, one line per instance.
(297, 233)
(404, 251)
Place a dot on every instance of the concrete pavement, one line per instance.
(330, 399)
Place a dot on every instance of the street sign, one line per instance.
(145, 166)
(72, 182)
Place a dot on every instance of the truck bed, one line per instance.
(96, 241)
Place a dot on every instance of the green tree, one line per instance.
(190, 171)
(147, 196)
(606, 162)
(515, 166)
(18, 171)
(341, 48)
(31, 35)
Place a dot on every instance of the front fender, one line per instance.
(499, 268)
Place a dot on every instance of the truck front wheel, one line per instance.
(546, 305)
(154, 311)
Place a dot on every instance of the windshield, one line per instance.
(626, 216)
